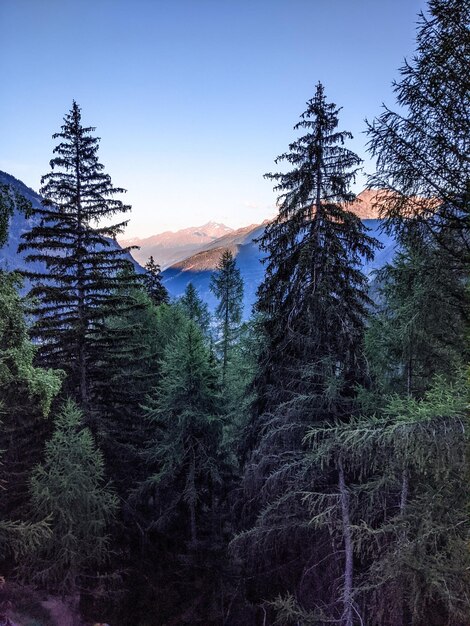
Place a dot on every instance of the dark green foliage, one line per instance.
(153, 283)
(313, 303)
(77, 289)
(422, 149)
(314, 295)
(69, 490)
(181, 495)
(404, 471)
(196, 309)
(10, 201)
(227, 286)
(26, 395)
(420, 328)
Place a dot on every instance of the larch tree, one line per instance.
(422, 148)
(78, 263)
(69, 489)
(227, 286)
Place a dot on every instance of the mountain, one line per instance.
(170, 247)
(10, 258)
(199, 267)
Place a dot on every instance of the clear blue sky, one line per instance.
(192, 99)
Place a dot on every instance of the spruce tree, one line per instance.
(75, 288)
(153, 282)
(196, 309)
(227, 285)
(180, 497)
(313, 303)
(314, 295)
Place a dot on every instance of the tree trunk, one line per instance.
(347, 617)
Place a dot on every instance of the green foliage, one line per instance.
(410, 339)
(153, 283)
(18, 375)
(421, 150)
(313, 303)
(196, 309)
(227, 286)
(187, 428)
(406, 472)
(26, 396)
(76, 290)
(10, 201)
(68, 489)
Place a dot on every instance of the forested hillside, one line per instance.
(163, 463)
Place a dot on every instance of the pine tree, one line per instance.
(196, 309)
(314, 295)
(313, 303)
(422, 149)
(181, 494)
(83, 264)
(153, 282)
(227, 285)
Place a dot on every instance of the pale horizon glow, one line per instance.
(193, 101)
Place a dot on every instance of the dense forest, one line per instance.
(162, 465)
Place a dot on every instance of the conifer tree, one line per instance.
(313, 304)
(83, 265)
(404, 475)
(420, 327)
(184, 475)
(10, 201)
(69, 488)
(314, 295)
(196, 309)
(422, 148)
(153, 282)
(227, 285)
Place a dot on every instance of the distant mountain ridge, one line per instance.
(172, 246)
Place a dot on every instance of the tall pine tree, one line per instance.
(313, 303)
(78, 263)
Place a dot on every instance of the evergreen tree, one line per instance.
(196, 309)
(420, 328)
(184, 475)
(314, 295)
(313, 303)
(10, 201)
(83, 265)
(422, 149)
(153, 282)
(403, 481)
(227, 286)
(69, 489)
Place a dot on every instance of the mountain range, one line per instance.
(192, 254)
(169, 247)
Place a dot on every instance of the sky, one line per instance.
(192, 99)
